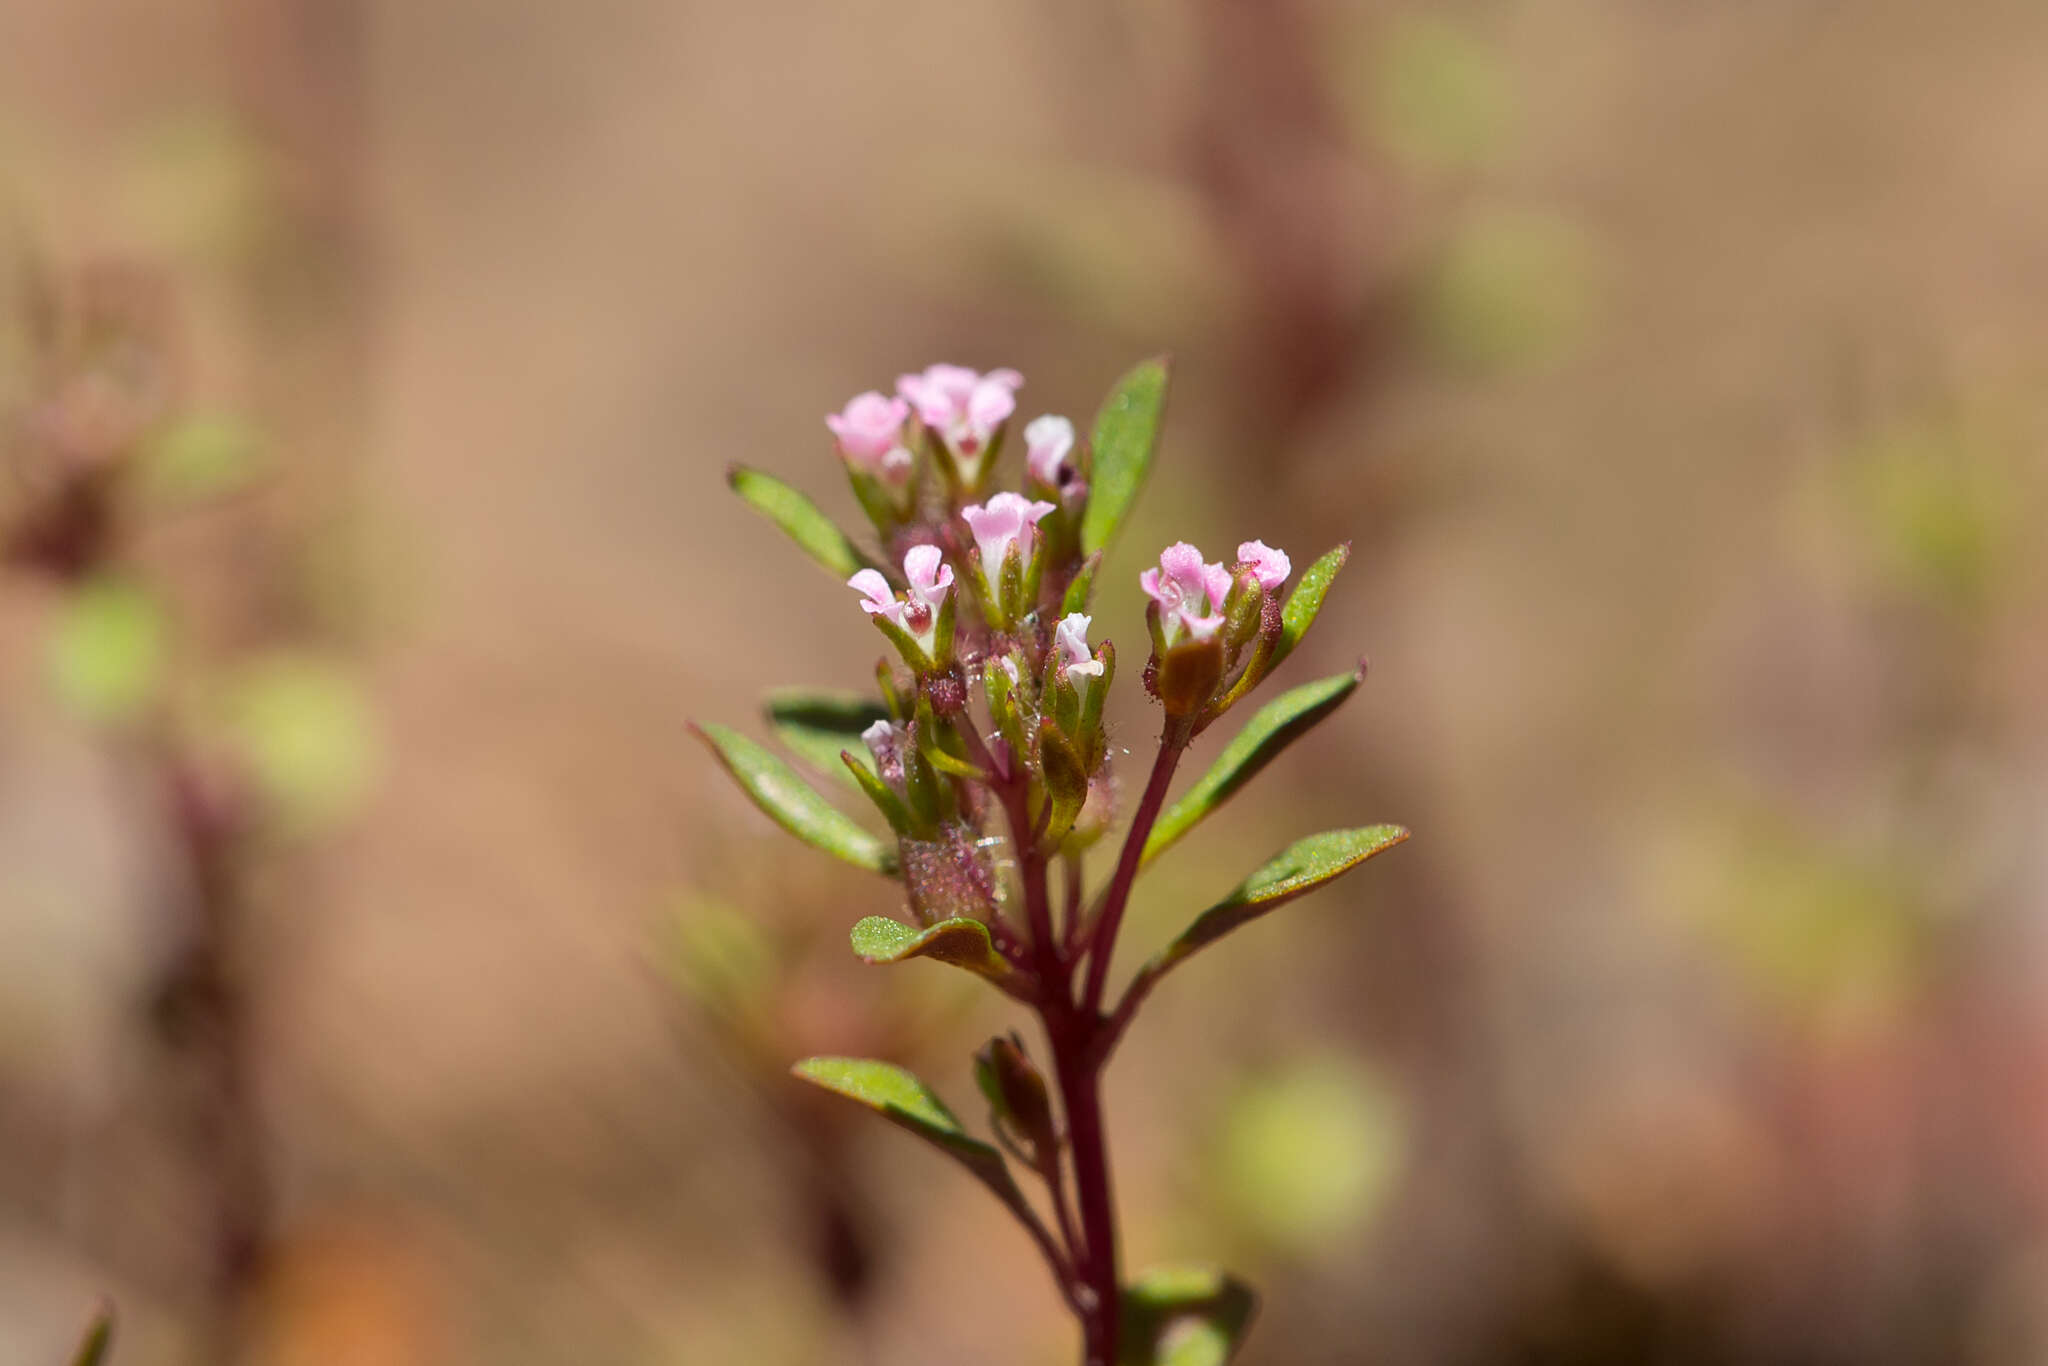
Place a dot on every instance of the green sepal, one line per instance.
(799, 518)
(1081, 587)
(1005, 709)
(892, 696)
(906, 644)
(962, 942)
(1304, 603)
(818, 727)
(942, 631)
(1126, 431)
(793, 804)
(882, 795)
(1011, 590)
(1091, 705)
(1296, 871)
(937, 744)
(1277, 725)
(1066, 780)
(1184, 1316)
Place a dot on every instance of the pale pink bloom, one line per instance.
(1048, 441)
(1190, 593)
(1070, 640)
(930, 577)
(880, 599)
(929, 574)
(870, 435)
(1269, 565)
(1005, 520)
(963, 408)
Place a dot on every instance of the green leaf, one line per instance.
(107, 651)
(792, 803)
(798, 516)
(818, 726)
(1185, 1316)
(1299, 869)
(899, 1097)
(1126, 430)
(98, 1339)
(1278, 724)
(963, 942)
(1305, 602)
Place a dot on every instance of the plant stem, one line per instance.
(1172, 744)
(1080, 1082)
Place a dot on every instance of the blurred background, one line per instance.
(386, 977)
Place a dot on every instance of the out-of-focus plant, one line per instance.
(986, 754)
(97, 1342)
(233, 751)
(758, 988)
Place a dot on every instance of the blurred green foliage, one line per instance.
(306, 734)
(106, 651)
(1438, 98)
(200, 458)
(1310, 1150)
(1941, 499)
(1512, 288)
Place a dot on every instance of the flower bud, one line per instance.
(1020, 1110)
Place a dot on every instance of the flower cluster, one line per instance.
(987, 755)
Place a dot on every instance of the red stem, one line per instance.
(1102, 943)
(1080, 1083)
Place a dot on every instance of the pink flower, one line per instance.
(1070, 641)
(963, 408)
(1005, 520)
(917, 610)
(1190, 593)
(1270, 566)
(1048, 441)
(870, 435)
(881, 599)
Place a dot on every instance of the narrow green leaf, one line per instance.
(963, 942)
(1278, 724)
(1299, 869)
(1126, 429)
(98, 1339)
(818, 726)
(1305, 601)
(899, 1097)
(798, 516)
(792, 803)
(1185, 1316)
